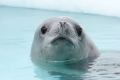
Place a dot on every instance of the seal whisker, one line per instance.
(80, 44)
(71, 34)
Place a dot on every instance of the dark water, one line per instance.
(17, 27)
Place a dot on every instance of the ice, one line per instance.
(99, 7)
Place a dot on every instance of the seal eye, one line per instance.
(79, 31)
(43, 30)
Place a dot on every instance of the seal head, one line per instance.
(60, 39)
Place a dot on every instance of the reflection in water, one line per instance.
(65, 71)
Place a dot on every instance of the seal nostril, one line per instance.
(62, 24)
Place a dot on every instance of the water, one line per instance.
(17, 27)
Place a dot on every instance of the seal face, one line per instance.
(62, 39)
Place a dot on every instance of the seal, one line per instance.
(62, 39)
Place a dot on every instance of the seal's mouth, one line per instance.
(61, 40)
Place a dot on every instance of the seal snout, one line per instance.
(62, 33)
